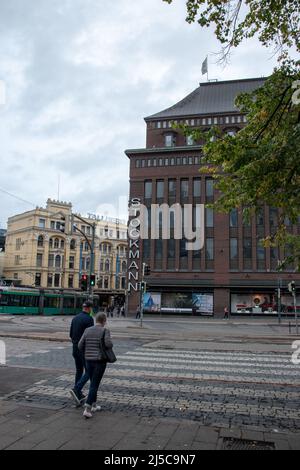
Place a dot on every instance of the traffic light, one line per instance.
(146, 270)
(84, 282)
(143, 287)
(292, 287)
(92, 280)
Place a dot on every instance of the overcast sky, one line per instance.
(80, 76)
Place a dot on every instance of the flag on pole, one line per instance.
(204, 67)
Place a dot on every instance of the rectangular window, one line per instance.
(57, 280)
(38, 279)
(146, 249)
(184, 189)
(158, 249)
(171, 249)
(273, 217)
(209, 218)
(203, 122)
(71, 262)
(148, 189)
(39, 260)
(42, 223)
(172, 189)
(17, 260)
(71, 282)
(247, 253)
(158, 125)
(234, 253)
(197, 187)
(209, 188)
(169, 140)
(209, 249)
(138, 163)
(190, 140)
(215, 120)
(18, 243)
(209, 121)
(160, 185)
(50, 280)
(50, 261)
(233, 218)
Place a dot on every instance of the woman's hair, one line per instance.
(101, 318)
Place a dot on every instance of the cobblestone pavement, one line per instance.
(229, 389)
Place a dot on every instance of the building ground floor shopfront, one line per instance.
(210, 300)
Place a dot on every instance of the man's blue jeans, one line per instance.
(81, 377)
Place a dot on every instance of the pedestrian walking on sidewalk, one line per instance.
(78, 326)
(138, 313)
(92, 343)
(226, 313)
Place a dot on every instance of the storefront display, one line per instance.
(178, 303)
(256, 304)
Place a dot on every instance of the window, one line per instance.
(57, 261)
(209, 188)
(209, 216)
(209, 121)
(233, 218)
(158, 125)
(233, 249)
(106, 283)
(148, 189)
(146, 249)
(124, 267)
(184, 189)
(171, 248)
(40, 241)
(50, 261)
(260, 254)
(183, 250)
(169, 140)
(57, 280)
(172, 189)
(42, 223)
(138, 163)
(197, 187)
(247, 248)
(18, 243)
(190, 140)
(209, 249)
(56, 243)
(273, 217)
(107, 266)
(160, 189)
(73, 244)
(62, 244)
(215, 120)
(71, 282)
(158, 249)
(52, 225)
(17, 260)
(38, 279)
(71, 262)
(50, 280)
(39, 260)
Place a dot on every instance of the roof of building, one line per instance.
(210, 97)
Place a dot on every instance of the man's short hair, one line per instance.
(101, 317)
(87, 304)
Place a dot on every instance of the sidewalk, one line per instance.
(25, 428)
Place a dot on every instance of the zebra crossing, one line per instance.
(214, 388)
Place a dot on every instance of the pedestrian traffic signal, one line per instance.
(143, 287)
(92, 280)
(146, 270)
(84, 282)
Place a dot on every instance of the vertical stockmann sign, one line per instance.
(186, 223)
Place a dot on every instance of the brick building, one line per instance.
(232, 269)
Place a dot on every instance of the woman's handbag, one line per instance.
(107, 353)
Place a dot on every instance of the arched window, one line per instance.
(57, 261)
(73, 244)
(56, 243)
(107, 266)
(62, 244)
(40, 241)
(108, 249)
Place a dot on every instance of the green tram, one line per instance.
(18, 301)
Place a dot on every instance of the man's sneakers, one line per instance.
(87, 412)
(96, 408)
(78, 398)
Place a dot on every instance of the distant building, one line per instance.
(39, 254)
(232, 269)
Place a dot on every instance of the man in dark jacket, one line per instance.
(78, 326)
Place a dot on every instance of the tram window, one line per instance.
(52, 302)
(68, 302)
(13, 300)
(4, 299)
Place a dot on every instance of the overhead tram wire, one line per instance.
(17, 197)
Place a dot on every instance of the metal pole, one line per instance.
(279, 300)
(91, 289)
(296, 316)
